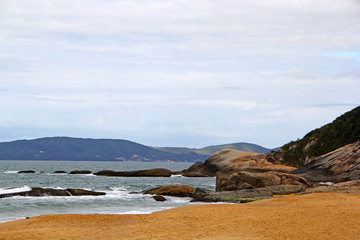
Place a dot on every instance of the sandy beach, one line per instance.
(307, 216)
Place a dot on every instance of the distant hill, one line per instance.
(246, 147)
(80, 149)
(343, 130)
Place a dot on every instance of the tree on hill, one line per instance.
(343, 130)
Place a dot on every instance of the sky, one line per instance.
(177, 73)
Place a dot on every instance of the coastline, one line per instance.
(304, 216)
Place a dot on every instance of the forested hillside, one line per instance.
(343, 130)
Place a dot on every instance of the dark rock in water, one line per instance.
(59, 172)
(256, 179)
(82, 192)
(340, 165)
(156, 172)
(203, 195)
(105, 173)
(178, 172)
(26, 171)
(159, 198)
(42, 192)
(80, 172)
(172, 190)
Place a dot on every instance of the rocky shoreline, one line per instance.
(241, 175)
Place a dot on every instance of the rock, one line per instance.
(42, 192)
(159, 198)
(178, 173)
(203, 195)
(197, 170)
(26, 171)
(342, 187)
(342, 164)
(172, 190)
(258, 178)
(56, 172)
(83, 192)
(232, 160)
(279, 168)
(156, 172)
(80, 172)
(105, 173)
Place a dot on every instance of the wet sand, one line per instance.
(308, 216)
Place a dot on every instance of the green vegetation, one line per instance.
(343, 130)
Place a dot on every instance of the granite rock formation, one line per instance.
(203, 195)
(156, 172)
(172, 190)
(229, 160)
(256, 178)
(342, 164)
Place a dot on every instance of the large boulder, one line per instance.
(229, 160)
(83, 192)
(203, 195)
(172, 190)
(197, 170)
(342, 164)
(156, 172)
(342, 187)
(258, 178)
(43, 192)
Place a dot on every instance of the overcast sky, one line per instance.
(179, 72)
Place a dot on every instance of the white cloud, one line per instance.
(131, 64)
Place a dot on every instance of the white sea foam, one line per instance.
(14, 190)
(326, 183)
(10, 171)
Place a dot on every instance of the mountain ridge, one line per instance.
(82, 149)
(241, 146)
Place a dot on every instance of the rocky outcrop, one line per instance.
(83, 192)
(156, 172)
(172, 190)
(256, 178)
(204, 195)
(340, 165)
(229, 160)
(198, 169)
(42, 192)
(59, 172)
(80, 172)
(342, 187)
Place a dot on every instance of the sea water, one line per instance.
(119, 198)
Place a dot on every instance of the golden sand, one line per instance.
(310, 216)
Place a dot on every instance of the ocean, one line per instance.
(118, 198)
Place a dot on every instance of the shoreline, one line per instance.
(304, 216)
